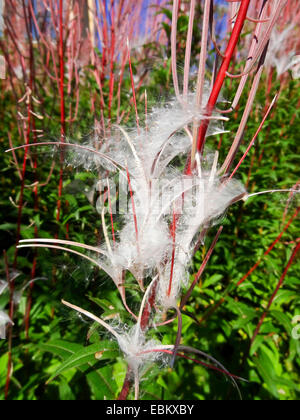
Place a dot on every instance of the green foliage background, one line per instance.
(65, 357)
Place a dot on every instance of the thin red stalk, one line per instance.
(295, 114)
(250, 170)
(202, 268)
(20, 207)
(29, 297)
(178, 338)
(120, 9)
(201, 72)
(10, 68)
(111, 76)
(126, 386)
(14, 157)
(72, 52)
(267, 252)
(295, 188)
(99, 83)
(239, 134)
(133, 89)
(62, 105)
(241, 17)
(13, 37)
(34, 264)
(124, 58)
(47, 45)
(173, 232)
(27, 136)
(188, 49)
(280, 283)
(133, 207)
(254, 138)
(148, 308)
(266, 34)
(146, 111)
(199, 362)
(11, 284)
(111, 214)
(53, 14)
(36, 196)
(174, 47)
(257, 35)
(105, 39)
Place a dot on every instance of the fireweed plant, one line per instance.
(167, 210)
(47, 40)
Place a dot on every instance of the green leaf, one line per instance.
(102, 383)
(8, 226)
(3, 369)
(90, 355)
(283, 320)
(212, 280)
(65, 392)
(266, 370)
(285, 296)
(61, 348)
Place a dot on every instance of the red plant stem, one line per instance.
(105, 39)
(240, 20)
(36, 196)
(280, 283)
(133, 90)
(21, 200)
(133, 207)
(201, 71)
(126, 386)
(62, 106)
(178, 338)
(295, 114)
(202, 268)
(20, 211)
(254, 138)
(124, 58)
(120, 9)
(295, 188)
(253, 158)
(48, 45)
(34, 264)
(148, 308)
(111, 77)
(199, 362)
(270, 81)
(175, 10)
(11, 313)
(267, 252)
(188, 49)
(146, 112)
(173, 232)
(9, 67)
(111, 213)
(27, 141)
